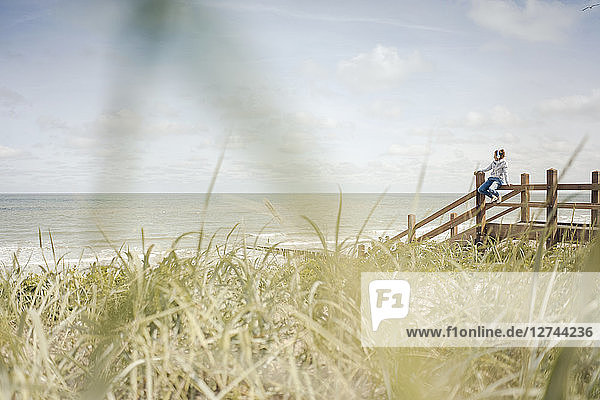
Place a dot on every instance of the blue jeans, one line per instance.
(485, 188)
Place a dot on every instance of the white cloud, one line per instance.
(382, 68)
(415, 150)
(128, 123)
(385, 110)
(576, 104)
(10, 101)
(313, 70)
(499, 116)
(8, 152)
(110, 131)
(313, 122)
(297, 142)
(536, 21)
(296, 133)
(51, 123)
(10, 98)
(123, 121)
(82, 142)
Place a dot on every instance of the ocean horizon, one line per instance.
(88, 227)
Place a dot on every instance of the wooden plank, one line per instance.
(362, 250)
(502, 214)
(453, 227)
(480, 204)
(411, 227)
(561, 186)
(400, 235)
(579, 206)
(438, 214)
(537, 204)
(524, 198)
(531, 186)
(579, 186)
(580, 224)
(542, 204)
(503, 231)
(507, 196)
(533, 231)
(444, 210)
(468, 234)
(551, 209)
(595, 199)
(444, 227)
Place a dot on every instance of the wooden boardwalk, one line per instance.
(485, 226)
(287, 252)
(551, 230)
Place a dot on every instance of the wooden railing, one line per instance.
(552, 228)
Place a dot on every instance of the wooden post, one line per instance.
(551, 205)
(595, 220)
(525, 198)
(454, 228)
(411, 227)
(362, 252)
(480, 205)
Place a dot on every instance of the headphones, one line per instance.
(499, 153)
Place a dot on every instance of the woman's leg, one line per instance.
(493, 191)
(485, 188)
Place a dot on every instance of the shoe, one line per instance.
(499, 198)
(495, 199)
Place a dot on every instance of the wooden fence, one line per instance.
(552, 230)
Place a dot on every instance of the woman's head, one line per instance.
(499, 154)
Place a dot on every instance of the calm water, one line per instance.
(87, 225)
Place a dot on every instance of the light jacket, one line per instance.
(499, 170)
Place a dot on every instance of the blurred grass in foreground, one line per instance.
(228, 325)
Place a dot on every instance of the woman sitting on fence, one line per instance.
(498, 176)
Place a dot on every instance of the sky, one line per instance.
(294, 96)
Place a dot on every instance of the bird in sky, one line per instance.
(590, 6)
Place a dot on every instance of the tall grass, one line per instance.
(226, 324)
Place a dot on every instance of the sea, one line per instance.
(80, 229)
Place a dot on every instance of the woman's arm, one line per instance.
(504, 172)
(485, 169)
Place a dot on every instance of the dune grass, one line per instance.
(226, 324)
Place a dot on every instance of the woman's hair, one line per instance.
(499, 153)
